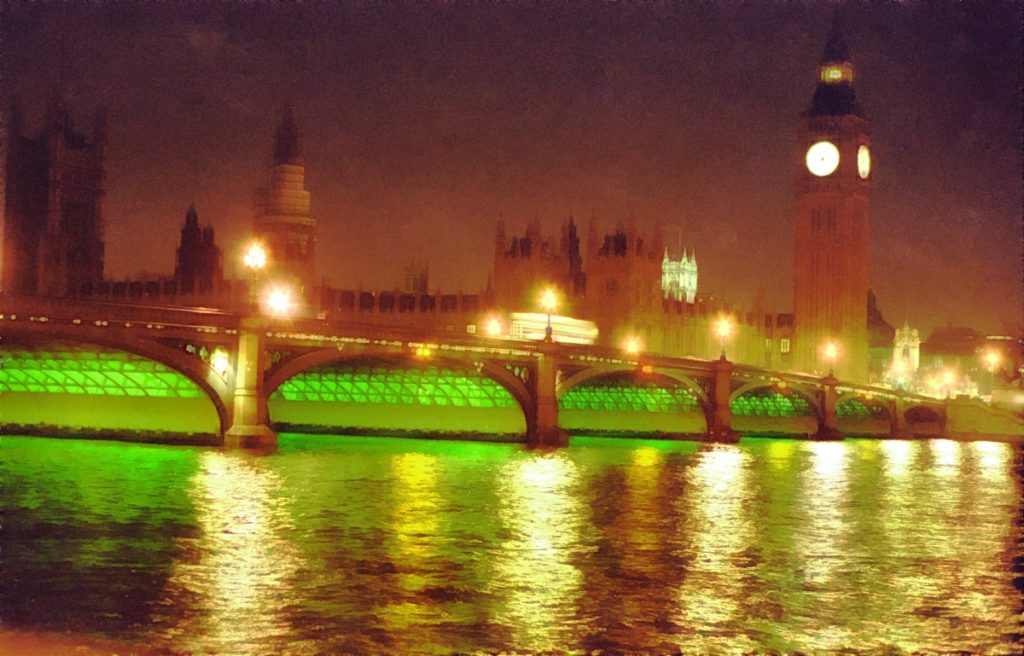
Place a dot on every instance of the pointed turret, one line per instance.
(834, 95)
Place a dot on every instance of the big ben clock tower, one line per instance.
(833, 188)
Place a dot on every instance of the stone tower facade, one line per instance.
(53, 206)
(283, 220)
(523, 266)
(624, 281)
(199, 263)
(832, 188)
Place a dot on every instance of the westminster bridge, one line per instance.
(209, 376)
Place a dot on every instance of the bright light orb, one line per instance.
(492, 326)
(993, 359)
(219, 361)
(279, 301)
(830, 351)
(948, 377)
(633, 345)
(255, 258)
(549, 300)
(724, 328)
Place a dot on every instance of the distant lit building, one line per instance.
(679, 278)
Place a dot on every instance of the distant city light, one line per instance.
(993, 359)
(423, 352)
(633, 345)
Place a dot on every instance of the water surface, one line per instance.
(339, 544)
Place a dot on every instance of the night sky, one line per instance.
(422, 125)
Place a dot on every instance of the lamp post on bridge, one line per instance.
(549, 303)
(993, 359)
(830, 353)
(724, 329)
(255, 261)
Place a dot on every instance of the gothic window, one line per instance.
(784, 345)
(611, 287)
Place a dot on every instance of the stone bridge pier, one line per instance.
(249, 420)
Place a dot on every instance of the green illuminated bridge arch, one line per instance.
(136, 389)
(617, 399)
(326, 391)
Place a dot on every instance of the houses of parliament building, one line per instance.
(623, 280)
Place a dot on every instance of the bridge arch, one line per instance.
(924, 418)
(210, 385)
(767, 408)
(617, 399)
(481, 384)
(860, 414)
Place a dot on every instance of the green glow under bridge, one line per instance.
(627, 394)
(769, 402)
(80, 369)
(376, 382)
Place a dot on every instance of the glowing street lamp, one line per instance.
(255, 261)
(219, 361)
(493, 326)
(633, 345)
(948, 378)
(549, 303)
(830, 353)
(724, 329)
(279, 301)
(994, 359)
(255, 257)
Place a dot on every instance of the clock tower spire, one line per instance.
(832, 187)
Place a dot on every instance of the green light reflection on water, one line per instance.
(344, 544)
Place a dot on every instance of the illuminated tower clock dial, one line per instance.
(822, 158)
(863, 162)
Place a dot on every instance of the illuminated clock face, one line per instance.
(822, 158)
(863, 162)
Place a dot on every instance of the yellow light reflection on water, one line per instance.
(824, 489)
(244, 559)
(414, 525)
(993, 459)
(946, 454)
(720, 528)
(536, 583)
(899, 455)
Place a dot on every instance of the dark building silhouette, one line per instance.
(53, 206)
(199, 263)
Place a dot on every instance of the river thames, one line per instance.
(381, 545)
